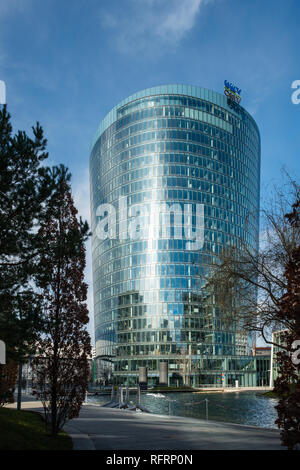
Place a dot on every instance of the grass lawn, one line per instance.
(273, 394)
(269, 394)
(25, 430)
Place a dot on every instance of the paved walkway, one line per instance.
(233, 389)
(113, 429)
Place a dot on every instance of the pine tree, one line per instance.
(24, 188)
(8, 380)
(61, 367)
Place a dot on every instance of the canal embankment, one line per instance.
(113, 429)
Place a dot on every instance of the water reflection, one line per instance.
(236, 407)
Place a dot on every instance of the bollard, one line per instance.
(163, 373)
(143, 379)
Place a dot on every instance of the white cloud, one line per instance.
(180, 19)
(152, 25)
(81, 195)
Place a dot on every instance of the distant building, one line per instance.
(28, 375)
(278, 340)
(263, 351)
(262, 366)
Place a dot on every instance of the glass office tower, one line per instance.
(175, 174)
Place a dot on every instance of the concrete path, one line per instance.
(99, 428)
(27, 405)
(112, 429)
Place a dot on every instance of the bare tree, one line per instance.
(247, 285)
(182, 365)
(287, 384)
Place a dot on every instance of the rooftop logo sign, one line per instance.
(232, 91)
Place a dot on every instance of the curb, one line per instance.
(80, 441)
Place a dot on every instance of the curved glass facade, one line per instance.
(168, 164)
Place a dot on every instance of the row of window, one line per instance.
(151, 284)
(114, 251)
(170, 251)
(163, 165)
(162, 349)
(195, 177)
(176, 320)
(240, 195)
(158, 256)
(152, 304)
(156, 102)
(208, 364)
(183, 191)
(235, 141)
(171, 125)
(153, 269)
(114, 284)
(242, 207)
(161, 315)
(173, 136)
(166, 334)
(234, 157)
(213, 169)
(131, 300)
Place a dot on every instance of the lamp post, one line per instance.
(19, 399)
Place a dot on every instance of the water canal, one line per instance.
(249, 408)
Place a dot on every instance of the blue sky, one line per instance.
(66, 63)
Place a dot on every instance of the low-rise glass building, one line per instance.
(278, 345)
(175, 177)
